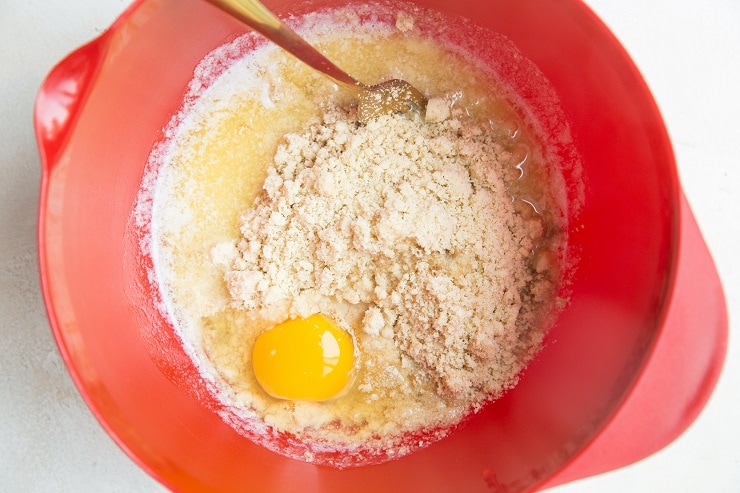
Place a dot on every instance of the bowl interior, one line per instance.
(129, 366)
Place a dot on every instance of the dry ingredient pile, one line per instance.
(411, 221)
(422, 237)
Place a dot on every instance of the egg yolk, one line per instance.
(308, 359)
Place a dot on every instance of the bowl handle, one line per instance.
(62, 95)
(680, 374)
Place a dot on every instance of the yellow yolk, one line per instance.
(308, 359)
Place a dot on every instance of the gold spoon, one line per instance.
(391, 96)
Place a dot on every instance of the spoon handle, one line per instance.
(261, 19)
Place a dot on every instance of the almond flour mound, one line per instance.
(409, 222)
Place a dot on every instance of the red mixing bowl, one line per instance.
(627, 366)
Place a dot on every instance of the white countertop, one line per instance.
(49, 441)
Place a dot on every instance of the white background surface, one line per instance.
(689, 53)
